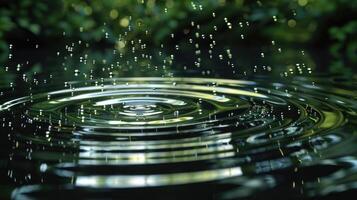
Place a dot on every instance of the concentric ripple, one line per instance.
(164, 132)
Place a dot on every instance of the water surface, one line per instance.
(180, 137)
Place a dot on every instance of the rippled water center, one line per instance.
(182, 137)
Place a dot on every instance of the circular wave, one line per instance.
(159, 132)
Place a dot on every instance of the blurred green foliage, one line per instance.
(311, 23)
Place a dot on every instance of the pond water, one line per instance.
(208, 133)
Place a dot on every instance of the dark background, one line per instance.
(325, 30)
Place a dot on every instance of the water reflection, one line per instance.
(235, 136)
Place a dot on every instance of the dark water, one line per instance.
(253, 137)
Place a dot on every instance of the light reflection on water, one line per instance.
(236, 137)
